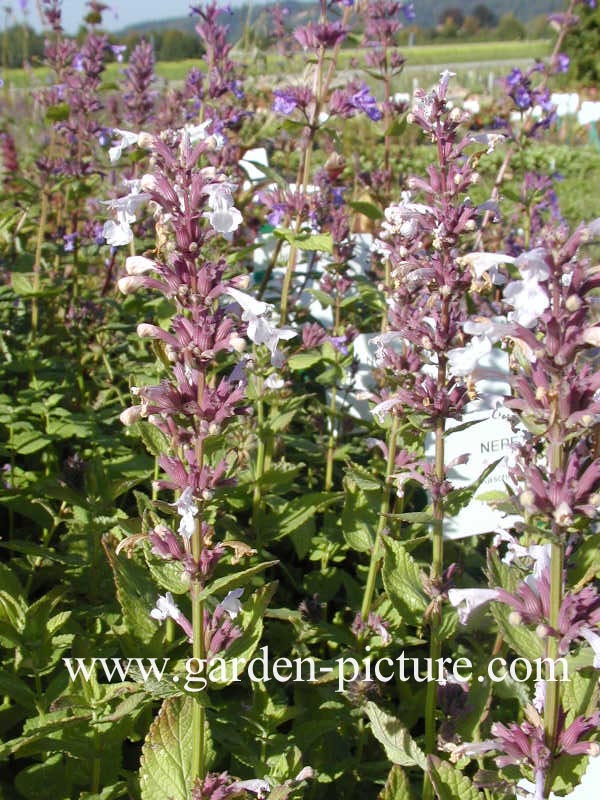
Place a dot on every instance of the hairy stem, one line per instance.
(437, 568)
(384, 510)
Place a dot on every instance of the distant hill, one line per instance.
(427, 11)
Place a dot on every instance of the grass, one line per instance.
(419, 56)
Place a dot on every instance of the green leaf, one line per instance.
(228, 582)
(302, 509)
(363, 478)
(397, 127)
(398, 744)
(359, 516)
(242, 649)
(22, 283)
(168, 574)
(302, 361)
(58, 113)
(397, 786)
(449, 782)
(27, 442)
(154, 440)
(136, 594)
(523, 641)
(367, 210)
(307, 241)
(402, 581)
(166, 764)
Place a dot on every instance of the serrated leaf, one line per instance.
(168, 574)
(397, 786)
(449, 782)
(22, 283)
(402, 581)
(228, 582)
(166, 764)
(398, 744)
(322, 242)
(302, 509)
(136, 594)
(155, 442)
(524, 642)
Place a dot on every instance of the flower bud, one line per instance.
(129, 284)
(138, 265)
(130, 415)
(514, 618)
(573, 303)
(527, 499)
(148, 182)
(563, 515)
(145, 140)
(237, 343)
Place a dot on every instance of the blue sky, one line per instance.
(127, 12)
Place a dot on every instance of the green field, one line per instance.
(420, 56)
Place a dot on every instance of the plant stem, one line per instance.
(260, 459)
(437, 568)
(38, 261)
(552, 699)
(198, 714)
(384, 509)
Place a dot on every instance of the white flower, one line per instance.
(464, 360)
(126, 139)
(445, 77)
(382, 408)
(480, 263)
(494, 328)
(224, 217)
(187, 510)
(593, 639)
(383, 341)
(532, 265)
(119, 233)
(138, 265)
(528, 299)
(467, 600)
(257, 786)
(231, 604)
(274, 381)
(260, 328)
(199, 133)
(165, 608)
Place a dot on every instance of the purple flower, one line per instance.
(277, 214)
(118, 50)
(409, 11)
(562, 62)
(70, 239)
(284, 102)
(364, 101)
(514, 78)
(237, 89)
(522, 98)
